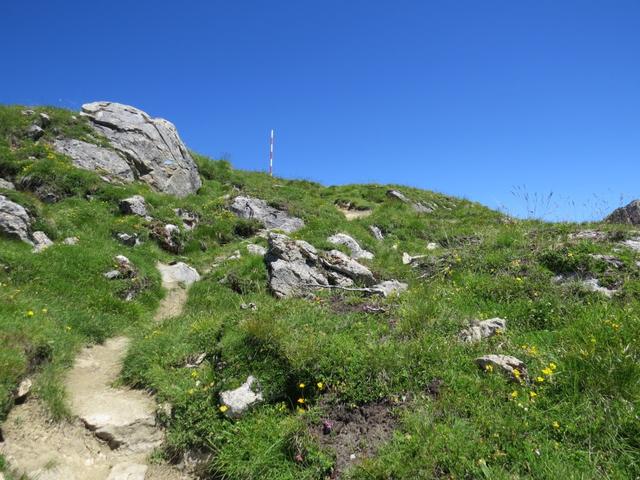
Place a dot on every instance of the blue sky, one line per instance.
(471, 98)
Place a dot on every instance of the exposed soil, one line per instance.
(340, 304)
(353, 214)
(354, 433)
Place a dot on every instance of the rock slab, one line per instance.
(93, 157)
(14, 220)
(239, 400)
(483, 329)
(357, 252)
(271, 218)
(151, 146)
(628, 214)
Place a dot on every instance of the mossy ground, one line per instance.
(581, 421)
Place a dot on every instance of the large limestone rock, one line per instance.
(14, 220)
(628, 214)
(134, 205)
(292, 266)
(296, 268)
(92, 157)
(271, 218)
(151, 146)
(357, 252)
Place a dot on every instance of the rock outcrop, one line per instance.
(376, 232)
(418, 207)
(14, 220)
(627, 214)
(40, 242)
(93, 157)
(357, 252)
(151, 147)
(271, 218)
(296, 268)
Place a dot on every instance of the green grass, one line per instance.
(477, 427)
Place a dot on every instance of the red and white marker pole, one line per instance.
(271, 154)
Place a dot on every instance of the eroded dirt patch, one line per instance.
(354, 433)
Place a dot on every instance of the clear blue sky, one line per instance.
(465, 97)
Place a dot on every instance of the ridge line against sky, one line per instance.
(480, 100)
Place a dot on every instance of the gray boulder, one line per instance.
(130, 240)
(239, 400)
(627, 214)
(418, 207)
(134, 205)
(484, 329)
(271, 218)
(35, 132)
(506, 364)
(92, 157)
(14, 220)
(151, 146)
(357, 252)
(6, 185)
(189, 219)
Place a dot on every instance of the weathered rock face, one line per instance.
(484, 329)
(338, 262)
(239, 400)
(92, 157)
(628, 214)
(514, 369)
(14, 220)
(418, 207)
(272, 218)
(588, 282)
(151, 146)
(357, 252)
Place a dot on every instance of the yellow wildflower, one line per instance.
(553, 366)
(30, 313)
(539, 379)
(320, 385)
(547, 371)
(533, 394)
(489, 368)
(514, 394)
(301, 385)
(191, 391)
(300, 401)
(555, 425)
(44, 310)
(516, 373)
(223, 408)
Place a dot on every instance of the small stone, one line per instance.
(35, 132)
(432, 246)
(110, 275)
(235, 255)
(248, 306)
(41, 242)
(134, 205)
(255, 249)
(179, 272)
(389, 287)
(71, 241)
(483, 329)
(195, 360)
(45, 119)
(189, 219)
(506, 364)
(376, 232)
(127, 239)
(28, 112)
(23, 390)
(239, 400)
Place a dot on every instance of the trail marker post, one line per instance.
(271, 154)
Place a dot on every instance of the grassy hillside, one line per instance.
(436, 415)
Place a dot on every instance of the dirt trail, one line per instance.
(113, 430)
